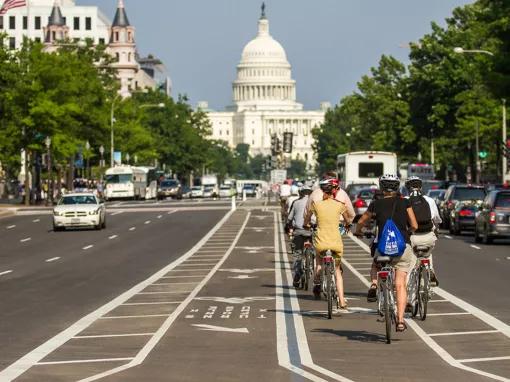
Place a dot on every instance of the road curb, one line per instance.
(7, 212)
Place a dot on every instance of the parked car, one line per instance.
(226, 191)
(362, 201)
(250, 190)
(169, 188)
(196, 192)
(186, 192)
(79, 211)
(462, 217)
(353, 189)
(209, 192)
(437, 195)
(493, 220)
(458, 193)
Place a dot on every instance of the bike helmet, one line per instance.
(389, 183)
(328, 185)
(414, 183)
(305, 190)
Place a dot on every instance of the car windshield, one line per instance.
(366, 194)
(208, 188)
(436, 194)
(355, 188)
(169, 183)
(465, 193)
(196, 188)
(503, 200)
(224, 188)
(119, 178)
(78, 199)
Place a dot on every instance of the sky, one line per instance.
(329, 43)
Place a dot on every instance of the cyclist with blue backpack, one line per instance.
(395, 220)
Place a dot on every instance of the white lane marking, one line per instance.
(25, 240)
(197, 265)
(116, 213)
(11, 226)
(114, 335)
(173, 283)
(199, 260)
(84, 361)
(448, 237)
(36, 220)
(463, 333)
(52, 259)
(484, 360)
(492, 321)
(283, 350)
(88, 247)
(132, 228)
(160, 216)
(30, 359)
(150, 303)
(139, 316)
(475, 246)
(148, 222)
(363, 269)
(190, 270)
(182, 277)
(508, 258)
(142, 354)
(153, 293)
(221, 328)
(113, 237)
(5, 272)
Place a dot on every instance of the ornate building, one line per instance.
(264, 102)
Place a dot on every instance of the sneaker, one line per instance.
(434, 282)
(317, 291)
(297, 280)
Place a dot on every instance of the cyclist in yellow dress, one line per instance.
(328, 212)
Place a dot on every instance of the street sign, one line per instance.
(287, 142)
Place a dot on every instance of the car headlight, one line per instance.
(56, 213)
(95, 212)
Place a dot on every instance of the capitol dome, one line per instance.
(264, 77)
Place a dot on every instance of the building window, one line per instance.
(38, 23)
(117, 56)
(101, 41)
(116, 37)
(65, 20)
(88, 23)
(12, 42)
(228, 132)
(220, 133)
(1, 22)
(25, 22)
(12, 22)
(76, 23)
(37, 39)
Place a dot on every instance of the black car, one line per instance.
(169, 188)
(462, 217)
(493, 220)
(353, 189)
(459, 193)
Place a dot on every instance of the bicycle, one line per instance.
(308, 265)
(386, 301)
(418, 288)
(329, 281)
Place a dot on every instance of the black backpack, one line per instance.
(422, 212)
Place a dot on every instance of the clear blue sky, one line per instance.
(330, 43)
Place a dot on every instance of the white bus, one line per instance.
(422, 170)
(126, 182)
(365, 167)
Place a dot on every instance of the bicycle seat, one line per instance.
(422, 250)
(383, 259)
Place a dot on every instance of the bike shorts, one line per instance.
(406, 262)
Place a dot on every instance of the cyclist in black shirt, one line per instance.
(400, 211)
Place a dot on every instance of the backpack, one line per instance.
(391, 242)
(422, 212)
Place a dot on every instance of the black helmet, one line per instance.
(414, 183)
(389, 183)
(328, 185)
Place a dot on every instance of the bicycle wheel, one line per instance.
(387, 312)
(329, 292)
(423, 291)
(307, 269)
(412, 291)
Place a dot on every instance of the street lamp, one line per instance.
(158, 105)
(461, 50)
(87, 148)
(101, 151)
(49, 197)
(128, 157)
(136, 159)
(112, 120)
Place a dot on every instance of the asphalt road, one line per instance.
(187, 290)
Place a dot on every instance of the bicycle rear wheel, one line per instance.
(387, 312)
(307, 269)
(412, 291)
(423, 291)
(329, 292)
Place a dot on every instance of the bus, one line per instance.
(422, 170)
(126, 182)
(365, 167)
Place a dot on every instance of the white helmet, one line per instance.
(389, 183)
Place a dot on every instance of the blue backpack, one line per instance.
(391, 242)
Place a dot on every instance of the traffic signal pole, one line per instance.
(478, 164)
(504, 160)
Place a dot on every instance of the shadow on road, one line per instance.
(359, 336)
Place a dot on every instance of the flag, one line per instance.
(10, 4)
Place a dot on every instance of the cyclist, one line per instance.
(427, 216)
(295, 222)
(328, 212)
(391, 206)
(285, 192)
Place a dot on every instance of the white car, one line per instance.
(196, 192)
(79, 210)
(226, 191)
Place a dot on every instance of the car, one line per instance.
(354, 188)
(462, 217)
(362, 201)
(459, 193)
(493, 220)
(226, 191)
(169, 188)
(437, 195)
(196, 192)
(210, 192)
(79, 210)
(249, 190)
(186, 192)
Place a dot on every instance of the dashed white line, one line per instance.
(36, 220)
(5, 272)
(160, 216)
(115, 335)
(84, 361)
(448, 237)
(448, 314)
(25, 240)
(483, 359)
(11, 226)
(87, 247)
(132, 228)
(148, 222)
(475, 246)
(52, 259)
(116, 213)
(508, 258)
(139, 316)
(113, 237)
(464, 333)
(151, 303)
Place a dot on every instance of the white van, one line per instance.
(126, 182)
(365, 167)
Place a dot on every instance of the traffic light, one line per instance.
(275, 145)
(287, 142)
(483, 154)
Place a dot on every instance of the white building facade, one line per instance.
(264, 102)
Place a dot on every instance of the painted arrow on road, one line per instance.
(221, 329)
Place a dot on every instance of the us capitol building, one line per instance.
(264, 102)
